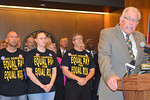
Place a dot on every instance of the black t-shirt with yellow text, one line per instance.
(41, 64)
(79, 63)
(12, 82)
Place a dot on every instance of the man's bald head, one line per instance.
(12, 39)
(12, 32)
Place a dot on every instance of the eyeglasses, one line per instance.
(130, 19)
(77, 39)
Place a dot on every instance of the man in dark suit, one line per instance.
(115, 50)
(95, 80)
(89, 44)
(63, 47)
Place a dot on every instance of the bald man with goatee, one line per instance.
(12, 82)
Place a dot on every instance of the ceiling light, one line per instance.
(48, 9)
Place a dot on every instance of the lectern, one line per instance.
(136, 87)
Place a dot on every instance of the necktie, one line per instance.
(63, 53)
(129, 45)
(91, 53)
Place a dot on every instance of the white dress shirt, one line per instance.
(134, 47)
(62, 51)
(91, 52)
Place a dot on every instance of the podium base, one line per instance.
(137, 95)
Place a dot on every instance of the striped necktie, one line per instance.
(129, 45)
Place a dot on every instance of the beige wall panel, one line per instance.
(93, 24)
(60, 24)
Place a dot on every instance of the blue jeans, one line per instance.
(21, 97)
(42, 96)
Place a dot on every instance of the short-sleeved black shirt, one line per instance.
(12, 82)
(41, 64)
(79, 63)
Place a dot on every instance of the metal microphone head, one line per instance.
(129, 68)
(142, 44)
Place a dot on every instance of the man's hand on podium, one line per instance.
(112, 83)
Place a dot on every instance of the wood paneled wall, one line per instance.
(110, 20)
(60, 24)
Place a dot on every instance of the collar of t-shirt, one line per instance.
(134, 47)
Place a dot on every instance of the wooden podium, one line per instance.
(136, 87)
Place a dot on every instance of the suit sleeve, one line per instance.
(104, 55)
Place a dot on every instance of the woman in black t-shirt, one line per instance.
(41, 69)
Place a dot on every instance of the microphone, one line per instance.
(130, 67)
(145, 67)
(142, 44)
(147, 50)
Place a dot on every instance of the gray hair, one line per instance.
(75, 34)
(130, 8)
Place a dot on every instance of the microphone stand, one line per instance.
(127, 73)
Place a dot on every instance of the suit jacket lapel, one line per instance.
(137, 45)
(122, 42)
(59, 53)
